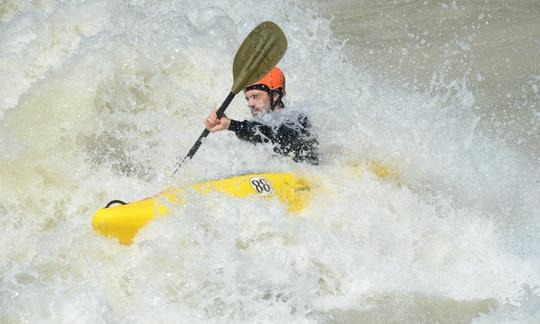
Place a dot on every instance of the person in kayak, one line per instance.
(288, 132)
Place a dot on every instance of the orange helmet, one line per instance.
(273, 81)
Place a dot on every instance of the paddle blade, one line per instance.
(259, 53)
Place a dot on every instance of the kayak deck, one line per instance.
(123, 222)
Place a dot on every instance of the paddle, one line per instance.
(259, 53)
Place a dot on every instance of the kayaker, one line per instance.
(287, 131)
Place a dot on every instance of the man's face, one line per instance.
(258, 102)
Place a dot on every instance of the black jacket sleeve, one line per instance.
(290, 138)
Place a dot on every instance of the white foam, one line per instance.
(105, 98)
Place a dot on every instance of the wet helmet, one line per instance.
(273, 83)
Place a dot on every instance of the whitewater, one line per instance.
(100, 99)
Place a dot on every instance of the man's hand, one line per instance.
(213, 124)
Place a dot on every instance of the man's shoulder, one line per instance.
(297, 118)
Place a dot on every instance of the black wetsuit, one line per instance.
(290, 137)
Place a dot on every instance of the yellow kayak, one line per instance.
(123, 222)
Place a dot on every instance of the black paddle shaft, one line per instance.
(205, 133)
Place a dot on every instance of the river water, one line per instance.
(98, 99)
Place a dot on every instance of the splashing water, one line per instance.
(100, 99)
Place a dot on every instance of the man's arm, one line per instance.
(252, 131)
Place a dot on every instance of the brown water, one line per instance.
(493, 45)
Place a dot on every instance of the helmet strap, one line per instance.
(278, 102)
